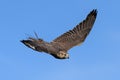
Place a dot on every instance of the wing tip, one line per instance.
(22, 41)
(94, 12)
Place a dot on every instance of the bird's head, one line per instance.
(63, 55)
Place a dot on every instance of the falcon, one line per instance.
(59, 47)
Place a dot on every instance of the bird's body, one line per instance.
(59, 47)
(43, 46)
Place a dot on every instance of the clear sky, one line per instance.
(98, 58)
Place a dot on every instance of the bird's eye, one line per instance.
(61, 54)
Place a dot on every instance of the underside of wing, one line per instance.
(78, 34)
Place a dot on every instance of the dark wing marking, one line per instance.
(78, 34)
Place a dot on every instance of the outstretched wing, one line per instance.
(78, 34)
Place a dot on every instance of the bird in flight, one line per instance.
(59, 47)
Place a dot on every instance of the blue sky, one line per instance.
(98, 58)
